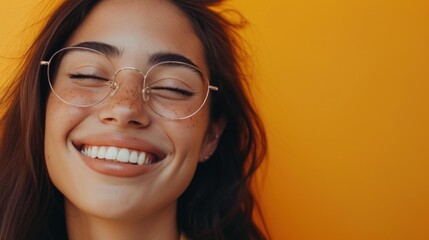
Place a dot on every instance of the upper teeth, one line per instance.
(119, 154)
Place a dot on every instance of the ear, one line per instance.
(211, 139)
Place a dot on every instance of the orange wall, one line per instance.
(344, 90)
(343, 87)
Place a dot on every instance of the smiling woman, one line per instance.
(133, 122)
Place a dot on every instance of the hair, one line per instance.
(218, 203)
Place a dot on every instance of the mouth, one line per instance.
(118, 154)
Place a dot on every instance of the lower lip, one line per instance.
(117, 169)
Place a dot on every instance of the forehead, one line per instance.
(139, 29)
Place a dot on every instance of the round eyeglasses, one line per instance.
(84, 77)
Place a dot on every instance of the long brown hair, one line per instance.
(219, 202)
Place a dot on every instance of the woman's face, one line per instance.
(111, 189)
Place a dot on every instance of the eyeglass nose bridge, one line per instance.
(115, 85)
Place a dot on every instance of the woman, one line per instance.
(130, 120)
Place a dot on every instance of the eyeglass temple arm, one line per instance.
(214, 88)
(44, 62)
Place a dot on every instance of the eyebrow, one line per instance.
(104, 48)
(165, 56)
(154, 58)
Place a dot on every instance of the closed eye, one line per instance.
(86, 76)
(175, 90)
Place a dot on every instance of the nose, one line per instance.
(126, 107)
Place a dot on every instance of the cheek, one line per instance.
(60, 119)
(188, 135)
(53, 118)
(60, 115)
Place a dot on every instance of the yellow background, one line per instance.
(343, 87)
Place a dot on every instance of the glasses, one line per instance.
(84, 77)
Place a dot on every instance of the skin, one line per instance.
(102, 206)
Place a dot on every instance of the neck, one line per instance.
(83, 226)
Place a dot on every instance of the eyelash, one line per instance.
(86, 76)
(175, 89)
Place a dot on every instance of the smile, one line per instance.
(117, 154)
